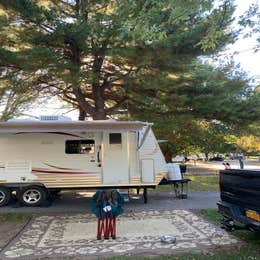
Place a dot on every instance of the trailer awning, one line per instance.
(69, 126)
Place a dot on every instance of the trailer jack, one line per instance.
(145, 195)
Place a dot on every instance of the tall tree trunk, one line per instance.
(99, 112)
(99, 116)
(82, 114)
(99, 109)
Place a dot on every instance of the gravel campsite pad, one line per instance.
(9, 230)
(140, 232)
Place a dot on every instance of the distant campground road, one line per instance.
(78, 202)
(234, 164)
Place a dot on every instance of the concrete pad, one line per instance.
(8, 230)
(75, 235)
(78, 202)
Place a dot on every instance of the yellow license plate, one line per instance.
(253, 215)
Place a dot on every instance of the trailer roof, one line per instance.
(69, 126)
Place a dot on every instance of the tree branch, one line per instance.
(117, 105)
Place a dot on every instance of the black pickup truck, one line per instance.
(240, 198)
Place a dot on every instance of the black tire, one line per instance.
(32, 196)
(55, 191)
(5, 196)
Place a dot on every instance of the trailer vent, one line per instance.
(55, 118)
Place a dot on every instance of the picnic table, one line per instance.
(180, 187)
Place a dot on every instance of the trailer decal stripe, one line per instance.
(60, 172)
(61, 168)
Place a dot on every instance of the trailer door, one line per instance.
(115, 159)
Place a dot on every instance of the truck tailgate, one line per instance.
(241, 187)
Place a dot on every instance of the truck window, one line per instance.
(115, 138)
(80, 146)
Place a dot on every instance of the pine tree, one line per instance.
(89, 53)
(197, 108)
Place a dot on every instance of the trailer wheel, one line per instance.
(5, 196)
(32, 196)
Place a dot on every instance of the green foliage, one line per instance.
(194, 106)
(106, 58)
(251, 22)
(196, 91)
(15, 96)
(249, 144)
(90, 53)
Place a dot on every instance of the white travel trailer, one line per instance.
(40, 156)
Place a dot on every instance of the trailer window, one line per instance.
(115, 138)
(80, 146)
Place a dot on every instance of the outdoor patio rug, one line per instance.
(137, 233)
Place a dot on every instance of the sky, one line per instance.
(249, 62)
(248, 59)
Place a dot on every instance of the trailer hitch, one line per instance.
(229, 225)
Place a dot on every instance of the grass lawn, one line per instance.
(252, 237)
(239, 254)
(198, 183)
(15, 217)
